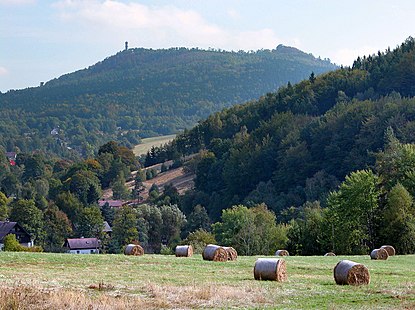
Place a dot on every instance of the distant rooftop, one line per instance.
(82, 243)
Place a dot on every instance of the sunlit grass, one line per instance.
(154, 281)
(147, 143)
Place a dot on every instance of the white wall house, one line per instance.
(82, 246)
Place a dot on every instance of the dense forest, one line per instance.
(291, 149)
(140, 93)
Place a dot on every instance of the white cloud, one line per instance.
(16, 2)
(348, 56)
(3, 71)
(159, 26)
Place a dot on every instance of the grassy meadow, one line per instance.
(147, 143)
(64, 281)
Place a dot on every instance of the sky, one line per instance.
(41, 40)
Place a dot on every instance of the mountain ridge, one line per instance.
(147, 92)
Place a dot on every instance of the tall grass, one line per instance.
(22, 297)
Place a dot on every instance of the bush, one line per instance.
(12, 245)
(163, 168)
(32, 249)
(176, 164)
(165, 250)
(199, 239)
(151, 173)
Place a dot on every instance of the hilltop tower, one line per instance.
(126, 45)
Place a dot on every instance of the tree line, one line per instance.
(369, 208)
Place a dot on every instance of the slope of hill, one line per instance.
(297, 144)
(142, 92)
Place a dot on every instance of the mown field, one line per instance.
(63, 281)
(147, 143)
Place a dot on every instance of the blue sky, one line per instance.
(41, 40)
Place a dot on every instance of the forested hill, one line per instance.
(142, 92)
(299, 143)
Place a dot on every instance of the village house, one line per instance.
(22, 236)
(82, 246)
(11, 156)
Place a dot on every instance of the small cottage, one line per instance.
(82, 246)
(22, 236)
(11, 155)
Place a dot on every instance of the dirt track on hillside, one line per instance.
(177, 177)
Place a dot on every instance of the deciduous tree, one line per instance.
(57, 228)
(353, 211)
(90, 223)
(173, 221)
(124, 229)
(4, 209)
(150, 222)
(85, 186)
(29, 217)
(399, 220)
(250, 231)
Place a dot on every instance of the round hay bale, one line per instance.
(270, 269)
(232, 254)
(215, 253)
(381, 254)
(134, 249)
(282, 253)
(390, 249)
(184, 251)
(347, 272)
(330, 254)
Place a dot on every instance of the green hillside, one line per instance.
(325, 125)
(143, 92)
(292, 148)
